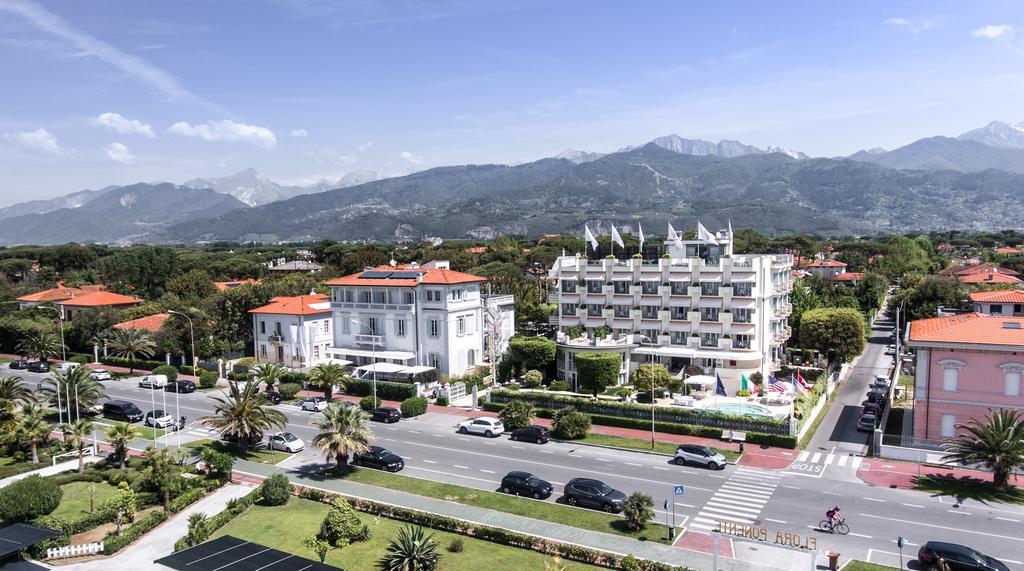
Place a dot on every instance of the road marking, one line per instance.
(747, 489)
(660, 468)
(464, 438)
(874, 500)
(1008, 519)
(946, 527)
(841, 461)
(958, 512)
(415, 431)
(681, 504)
(905, 542)
(831, 493)
(516, 446)
(448, 474)
(603, 459)
(715, 506)
(632, 464)
(856, 462)
(746, 499)
(487, 471)
(913, 506)
(459, 467)
(437, 435)
(793, 487)
(815, 458)
(803, 456)
(775, 520)
(730, 514)
(430, 462)
(547, 451)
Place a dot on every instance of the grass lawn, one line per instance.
(972, 488)
(75, 503)
(284, 527)
(668, 448)
(262, 455)
(5, 360)
(817, 422)
(557, 513)
(145, 432)
(865, 566)
(9, 467)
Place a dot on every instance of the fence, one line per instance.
(453, 391)
(835, 374)
(74, 550)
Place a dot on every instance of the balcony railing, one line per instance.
(365, 305)
(275, 338)
(369, 340)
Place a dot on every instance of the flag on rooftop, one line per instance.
(589, 237)
(640, 234)
(704, 235)
(719, 386)
(616, 237)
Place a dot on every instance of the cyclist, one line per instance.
(834, 515)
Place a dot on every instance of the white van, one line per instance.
(67, 366)
(153, 382)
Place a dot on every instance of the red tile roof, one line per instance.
(849, 277)
(999, 296)
(430, 276)
(983, 269)
(237, 283)
(60, 293)
(825, 264)
(99, 299)
(296, 305)
(149, 323)
(1007, 250)
(476, 250)
(983, 278)
(969, 328)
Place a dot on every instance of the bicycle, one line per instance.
(839, 527)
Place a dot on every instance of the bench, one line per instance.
(734, 436)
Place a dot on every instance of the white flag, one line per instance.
(616, 238)
(704, 235)
(589, 237)
(674, 236)
(640, 233)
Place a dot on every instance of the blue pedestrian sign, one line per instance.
(679, 490)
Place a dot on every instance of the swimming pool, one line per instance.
(742, 409)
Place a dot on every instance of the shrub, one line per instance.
(114, 543)
(169, 370)
(414, 406)
(364, 534)
(533, 378)
(369, 403)
(341, 526)
(198, 529)
(531, 352)
(639, 510)
(743, 393)
(571, 424)
(629, 563)
(276, 490)
(289, 390)
(29, 498)
(441, 401)
(456, 545)
(312, 494)
(596, 371)
(207, 379)
(559, 385)
(385, 390)
(517, 414)
(80, 359)
(217, 463)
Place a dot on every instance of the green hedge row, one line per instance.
(113, 543)
(234, 509)
(144, 364)
(385, 390)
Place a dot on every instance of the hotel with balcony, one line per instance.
(696, 305)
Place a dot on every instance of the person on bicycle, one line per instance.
(834, 515)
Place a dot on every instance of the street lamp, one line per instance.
(64, 358)
(373, 352)
(192, 337)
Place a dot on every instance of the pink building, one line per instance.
(967, 365)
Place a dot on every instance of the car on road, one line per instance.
(158, 419)
(697, 454)
(180, 387)
(485, 425)
(122, 410)
(285, 442)
(890, 350)
(18, 364)
(957, 557)
(379, 458)
(386, 414)
(100, 375)
(38, 367)
(67, 366)
(871, 408)
(880, 383)
(867, 422)
(590, 493)
(526, 484)
(273, 397)
(533, 433)
(153, 382)
(314, 404)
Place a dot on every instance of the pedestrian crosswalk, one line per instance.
(739, 500)
(810, 463)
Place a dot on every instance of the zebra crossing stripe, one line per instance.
(803, 456)
(738, 503)
(856, 462)
(816, 457)
(842, 461)
(743, 497)
(829, 459)
(750, 489)
(727, 514)
(715, 505)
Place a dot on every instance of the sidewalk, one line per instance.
(49, 470)
(903, 475)
(553, 531)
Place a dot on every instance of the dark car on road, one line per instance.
(273, 397)
(386, 414)
(122, 410)
(957, 557)
(18, 364)
(867, 422)
(180, 387)
(526, 484)
(379, 458)
(595, 494)
(38, 367)
(534, 433)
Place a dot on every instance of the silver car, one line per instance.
(100, 375)
(701, 455)
(285, 442)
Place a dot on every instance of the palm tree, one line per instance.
(78, 390)
(41, 344)
(161, 472)
(342, 430)
(996, 441)
(33, 427)
(132, 343)
(120, 436)
(242, 414)
(13, 389)
(77, 433)
(269, 373)
(411, 550)
(325, 376)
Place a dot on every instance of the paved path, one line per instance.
(49, 470)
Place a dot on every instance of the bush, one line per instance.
(114, 543)
(414, 406)
(80, 359)
(342, 525)
(207, 379)
(441, 401)
(169, 370)
(275, 490)
(29, 498)
(533, 378)
(595, 371)
(456, 545)
(198, 529)
(571, 424)
(639, 510)
(517, 414)
(559, 385)
(743, 393)
(312, 494)
(385, 390)
(531, 352)
(369, 403)
(289, 390)
(217, 463)
(629, 563)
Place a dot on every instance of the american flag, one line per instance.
(775, 385)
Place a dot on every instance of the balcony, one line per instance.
(275, 338)
(369, 340)
(369, 305)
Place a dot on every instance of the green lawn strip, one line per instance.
(865, 566)
(5, 360)
(817, 422)
(284, 528)
(145, 432)
(545, 511)
(75, 502)
(261, 455)
(10, 467)
(967, 487)
(668, 448)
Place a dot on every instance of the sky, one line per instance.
(123, 91)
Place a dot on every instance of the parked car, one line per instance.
(285, 442)
(595, 494)
(18, 364)
(891, 351)
(867, 422)
(957, 557)
(122, 410)
(158, 419)
(252, 441)
(314, 404)
(386, 414)
(534, 433)
(486, 426)
(273, 397)
(100, 375)
(697, 454)
(38, 367)
(180, 387)
(526, 484)
(880, 383)
(871, 408)
(379, 458)
(153, 382)
(67, 366)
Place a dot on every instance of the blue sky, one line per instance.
(115, 92)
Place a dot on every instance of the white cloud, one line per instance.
(411, 158)
(329, 156)
(39, 141)
(119, 153)
(994, 32)
(365, 146)
(910, 25)
(299, 133)
(124, 125)
(226, 130)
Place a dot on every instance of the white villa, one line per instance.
(293, 331)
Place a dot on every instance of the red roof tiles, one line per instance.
(149, 323)
(100, 299)
(296, 305)
(999, 296)
(430, 276)
(969, 328)
(983, 278)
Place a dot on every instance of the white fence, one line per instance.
(830, 387)
(74, 550)
(454, 391)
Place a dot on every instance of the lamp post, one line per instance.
(64, 358)
(192, 338)
(373, 353)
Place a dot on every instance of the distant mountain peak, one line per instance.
(726, 148)
(578, 156)
(998, 134)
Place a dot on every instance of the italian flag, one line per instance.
(748, 385)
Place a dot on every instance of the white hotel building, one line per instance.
(293, 331)
(694, 306)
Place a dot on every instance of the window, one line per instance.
(263, 327)
(346, 326)
(995, 309)
(679, 338)
(408, 297)
(950, 373)
(621, 287)
(380, 297)
(263, 351)
(568, 309)
(348, 296)
(741, 342)
(400, 328)
(741, 315)
(460, 325)
(649, 288)
(316, 351)
(678, 288)
(371, 325)
(650, 311)
(1012, 377)
(709, 289)
(457, 294)
(594, 310)
(433, 328)
(679, 312)
(434, 360)
(433, 295)
(471, 358)
(621, 311)
(651, 334)
(277, 328)
(709, 314)
(594, 286)
(327, 326)
(948, 428)
(1018, 307)
(709, 340)
(568, 286)
(742, 290)
(365, 296)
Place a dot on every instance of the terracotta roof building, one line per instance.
(986, 278)
(1000, 302)
(59, 293)
(852, 278)
(92, 300)
(237, 283)
(827, 269)
(151, 323)
(294, 331)
(1008, 250)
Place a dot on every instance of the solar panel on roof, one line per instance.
(404, 275)
(374, 275)
(16, 537)
(229, 553)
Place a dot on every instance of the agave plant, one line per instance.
(411, 550)
(996, 441)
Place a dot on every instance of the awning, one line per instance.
(746, 279)
(702, 380)
(382, 368)
(698, 353)
(417, 369)
(711, 302)
(386, 355)
(743, 303)
(19, 536)
(710, 279)
(341, 362)
(229, 553)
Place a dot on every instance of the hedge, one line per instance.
(694, 417)
(385, 390)
(414, 406)
(140, 364)
(234, 509)
(113, 543)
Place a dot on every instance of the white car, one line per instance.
(153, 382)
(285, 442)
(158, 419)
(100, 375)
(484, 425)
(314, 404)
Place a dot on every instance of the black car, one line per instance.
(596, 494)
(38, 367)
(180, 387)
(957, 557)
(534, 433)
(122, 410)
(379, 458)
(18, 364)
(526, 484)
(273, 397)
(386, 414)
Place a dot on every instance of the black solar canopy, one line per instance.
(375, 275)
(19, 536)
(229, 553)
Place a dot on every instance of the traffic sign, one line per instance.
(678, 490)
